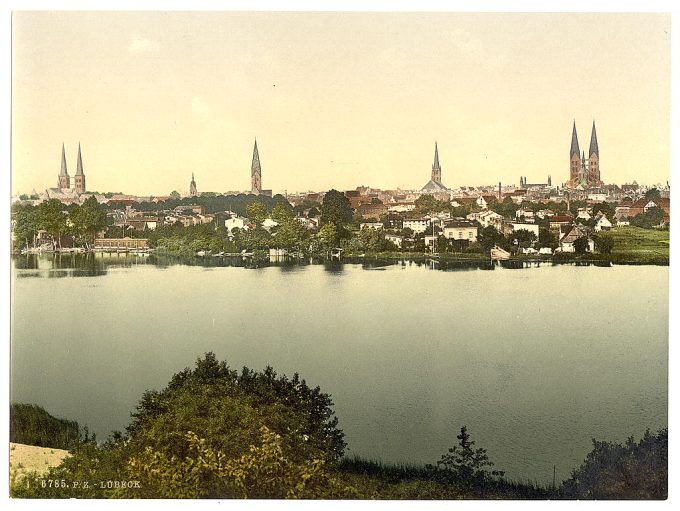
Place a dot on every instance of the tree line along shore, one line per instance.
(258, 226)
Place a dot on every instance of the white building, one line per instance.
(517, 226)
(236, 222)
(417, 225)
(602, 223)
(460, 230)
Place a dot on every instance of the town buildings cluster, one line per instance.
(396, 209)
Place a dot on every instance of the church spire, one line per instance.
(79, 165)
(593, 142)
(64, 171)
(256, 172)
(574, 142)
(193, 192)
(435, 165)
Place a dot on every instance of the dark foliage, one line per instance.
(649, 219)
(622, 471)
(32, 425)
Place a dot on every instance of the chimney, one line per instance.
(500, 195)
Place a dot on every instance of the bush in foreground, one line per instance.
(623, 471)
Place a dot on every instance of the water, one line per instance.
(534, 361)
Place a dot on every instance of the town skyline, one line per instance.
(335, 100)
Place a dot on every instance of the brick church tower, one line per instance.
(574, 158)
(594, 158)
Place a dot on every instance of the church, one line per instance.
(435, 183)
(63, 191)
(584, 173)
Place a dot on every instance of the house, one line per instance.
(395, 239)
(193, 208)
(557, 221)
(370, 210)
(643, 205)
(486, 218)
(597, 197)
(545, 251)
(602, 223)
(576, 232)
(526, 214)
(518, 226)
(544, 213)
(460, 230)
(417, 225)
(236, 222)
(583, 214)
(401, 207)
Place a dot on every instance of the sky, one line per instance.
(335, 100)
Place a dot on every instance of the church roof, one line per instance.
(433, 186)
(574, 142)
(255, 167)
(593, 142)
(64, 171)
(79, 167)
(435, 165)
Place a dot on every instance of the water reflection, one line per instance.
(90, 265)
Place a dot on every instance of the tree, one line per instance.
(25, 224)
(257, 212)
(489, 236)
(604, 243)
(291, 235)
(328, 236)
(427, 204)
(465, 465)
(175, 195)
(336, 209)
(652, 193)
(546, 238)
(581, 245)
(524, 238)
(615, 471)
(52, 218)
(649, 219)
(87, 220)
(252, 239)
(281, 213)
(213, 432)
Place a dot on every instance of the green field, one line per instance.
(637, 245)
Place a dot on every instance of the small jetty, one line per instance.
(498, 254)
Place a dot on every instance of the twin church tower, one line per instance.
(584, 172)
(79, 178)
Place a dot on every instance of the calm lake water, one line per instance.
(535, 361)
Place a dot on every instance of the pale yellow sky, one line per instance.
(335, 100)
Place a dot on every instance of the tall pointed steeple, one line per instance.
(593, 142)
(436, 169)
(64, 181)
(79, 178)
(574, 142)
(193, 192)
(435, 165)
(256, 172)
(64, 171)
(79, 166)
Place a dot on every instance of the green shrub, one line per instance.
(629, 471)
(32, 425)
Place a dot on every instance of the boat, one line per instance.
(498, 254)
